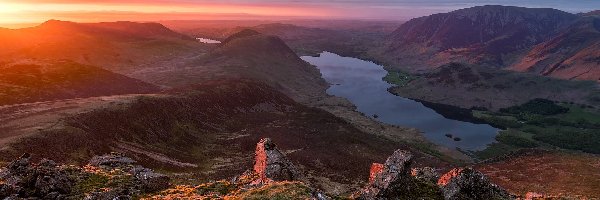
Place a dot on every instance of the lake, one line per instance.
(208, 41)
(361, 82)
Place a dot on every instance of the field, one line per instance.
(543, 124)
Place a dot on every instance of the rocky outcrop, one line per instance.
(114, 176)
(425, 174)
(149, 180)
(271, 165)
(111, 176)
(390, 180)
(396, 180)
(146, 179)
(45, 180)
(376, 169)
(467, 183)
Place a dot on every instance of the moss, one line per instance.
(277, 191)
(90, 183)
(219, 187)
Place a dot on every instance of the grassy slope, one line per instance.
(551, 173)
(25, 83)
(215, 126)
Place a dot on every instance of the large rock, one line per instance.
(376, 169)
(389, 181)
(43, 180)
(149, 180)
(19, 165)
(271, 165)
(51, 180)
(467, 184)
(426, 174)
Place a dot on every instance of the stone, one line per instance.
(271, 165)
(376, 169)
(6, 190)
(393, 176)
(426, 174)
(467, 183)
(43, 180)
(20, 165)
(149, 180)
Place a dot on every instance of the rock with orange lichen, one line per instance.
(394, 181)
(111, 176)
(467, 184)
(376, 169)
(271, 165)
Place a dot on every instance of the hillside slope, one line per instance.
(491, 35)
(210, 130)
(249, 54)
(469, 86)
(573, 54)
(35, 81)
(117, 46)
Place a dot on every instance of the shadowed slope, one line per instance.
(32, 82)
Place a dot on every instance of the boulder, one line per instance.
(43, 180)
(427, 174)
(388, 181)
(149, 180)
(376, 169)
(467, 183)
(6, 190)
(19, 165)
(51, 180)
(271, 165)
(111, 160)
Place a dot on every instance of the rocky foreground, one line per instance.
(115, 176)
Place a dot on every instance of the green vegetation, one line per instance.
(516, 138)
(91, 183)
(536, 106)
(398, 78)
(219, 187)
(278, 191)
(541, 123)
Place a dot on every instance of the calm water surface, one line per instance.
(361, 82)
(208, 41)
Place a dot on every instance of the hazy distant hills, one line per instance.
(33, 82)
(117, 46)
(498, 36)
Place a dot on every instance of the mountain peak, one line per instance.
(242, 34)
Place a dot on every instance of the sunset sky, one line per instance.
(36, 11)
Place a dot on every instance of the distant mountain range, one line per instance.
(545, 41)
(117, 46)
